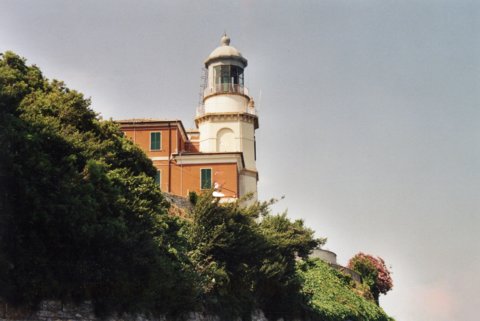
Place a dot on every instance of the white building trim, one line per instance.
(159, 158)
(210, 158)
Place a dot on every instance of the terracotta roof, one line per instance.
(146, 120)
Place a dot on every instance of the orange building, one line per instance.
(220, 153)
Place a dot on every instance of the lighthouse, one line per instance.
(227, 118)
(218, 156)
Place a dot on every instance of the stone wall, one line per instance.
(331, 258)
(324, 255)
(56, 311)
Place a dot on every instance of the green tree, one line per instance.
(278, 286)
(226, 249)
(246, 257)
(81, 217)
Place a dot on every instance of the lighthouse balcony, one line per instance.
(244, 110)
(225, 88)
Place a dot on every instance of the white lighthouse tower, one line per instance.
(227, 119)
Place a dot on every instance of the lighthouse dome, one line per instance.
(225, 51)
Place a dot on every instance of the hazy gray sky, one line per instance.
(369, 114)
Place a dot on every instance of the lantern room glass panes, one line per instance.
(228, 78)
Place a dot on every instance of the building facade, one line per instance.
(220, 153)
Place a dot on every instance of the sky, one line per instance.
(369, 118)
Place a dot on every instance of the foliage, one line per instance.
(331, 296)
(279, 285)
(246, 256)
(374, 273)
(76, 197)
(193, 197)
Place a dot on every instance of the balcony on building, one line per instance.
(227, 79)
(249, 109)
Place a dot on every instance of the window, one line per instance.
(158, 178)
(236, 74)
(226, 75)
(155, 140)
(205, 178)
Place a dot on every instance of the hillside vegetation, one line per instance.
(82, 219)
(334, 296)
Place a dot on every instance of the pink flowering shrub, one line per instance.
(374, 273)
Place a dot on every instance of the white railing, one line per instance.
(225, 89)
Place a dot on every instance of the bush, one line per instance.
(192, 197)
(374, 273)
(331, 297)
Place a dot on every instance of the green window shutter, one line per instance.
(155, 141)
(206, 178)
(158, 178)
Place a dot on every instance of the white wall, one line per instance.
(242, 139)
(248, 184)
(226, 103)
